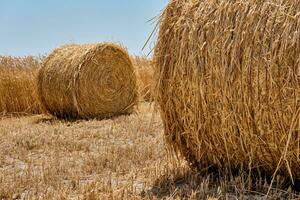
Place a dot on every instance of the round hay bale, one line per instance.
(144, 71)
(18, 91)
(88, 81)
(228, 83)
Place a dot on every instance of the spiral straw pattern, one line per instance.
(88, 81)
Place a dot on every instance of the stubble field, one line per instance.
(121, 158)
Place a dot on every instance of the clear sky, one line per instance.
(34, 27)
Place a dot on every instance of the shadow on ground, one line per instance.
(191, 185)
(54, 120)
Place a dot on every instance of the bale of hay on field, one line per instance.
(88, 81)
(144, 71)
(228, 83)
(18, 91)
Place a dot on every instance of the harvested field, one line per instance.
(225, 123)
(121, 158)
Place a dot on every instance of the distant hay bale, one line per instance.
(228, 83)
(88, 81)
(18, 91)
(144, 71)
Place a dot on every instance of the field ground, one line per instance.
(121, 158)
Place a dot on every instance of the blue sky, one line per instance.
(34, 27)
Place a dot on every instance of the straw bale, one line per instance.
(227, 79)
(88, 81)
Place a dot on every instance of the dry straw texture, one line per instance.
(228, 83)
(18, 91)
(87, 81)
(144, 71)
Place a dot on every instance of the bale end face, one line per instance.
(88, 81)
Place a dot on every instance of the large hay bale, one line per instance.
(18, 91)
(88, 81)
(228, 83)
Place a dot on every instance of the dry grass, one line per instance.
(228, 84)
(144, 71)
(121, 158)
(18, 92)
(88, 81)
